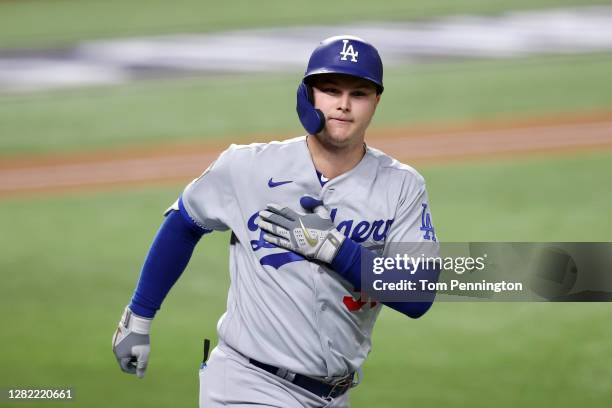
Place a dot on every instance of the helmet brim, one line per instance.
(343, 70)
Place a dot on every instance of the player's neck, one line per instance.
(333, 161)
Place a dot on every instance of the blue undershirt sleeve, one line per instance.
(348, 262)
(167, 259)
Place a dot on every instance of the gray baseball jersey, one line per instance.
(283, 309)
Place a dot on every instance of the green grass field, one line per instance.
(70, 261)
(54, 23)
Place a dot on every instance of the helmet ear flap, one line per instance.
(311, 118)
(310, 93)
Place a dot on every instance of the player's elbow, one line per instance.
(419, 310)
(413, 310)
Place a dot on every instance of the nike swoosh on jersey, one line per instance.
(311, 241)
(273, 184)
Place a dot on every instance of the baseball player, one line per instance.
(304, 214)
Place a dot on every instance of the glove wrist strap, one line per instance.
(329, 248)
(135, 323)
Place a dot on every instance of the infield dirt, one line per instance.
(416, 145)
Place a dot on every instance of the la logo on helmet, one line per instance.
(347, 49)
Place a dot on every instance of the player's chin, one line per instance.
(335, 139)
(340, 136)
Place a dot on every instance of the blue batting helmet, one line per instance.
(342, 54)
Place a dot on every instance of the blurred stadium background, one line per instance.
(107, 109)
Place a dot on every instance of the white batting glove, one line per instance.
(131, 343)
(312, 234)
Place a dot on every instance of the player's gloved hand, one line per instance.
(311, 234)
(131, 343)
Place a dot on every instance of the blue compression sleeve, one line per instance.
(348, 264)
(165, 262)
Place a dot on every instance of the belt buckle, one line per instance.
(340, 387)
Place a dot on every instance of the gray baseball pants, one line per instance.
(229, 380)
